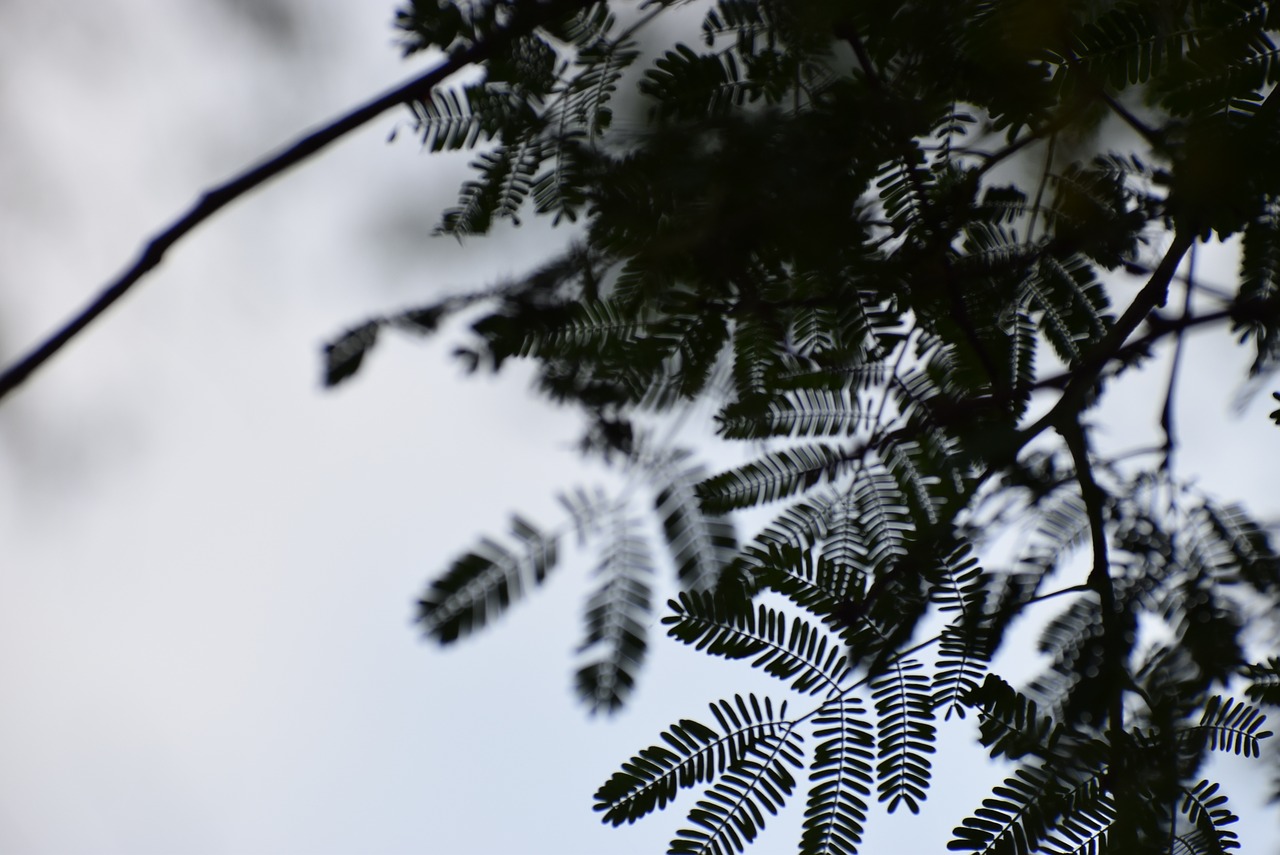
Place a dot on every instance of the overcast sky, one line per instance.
(210, 565)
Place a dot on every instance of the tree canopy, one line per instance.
(901, 251)
(898, 253)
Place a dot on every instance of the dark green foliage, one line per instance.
(729, 816)
(896, 253)
(1228, 725)
(1015, 819)
(694, 754)
(1206, 812)
(905, 734)
(840, 773)
(700, 543)
(1009, 722)
(796, 651)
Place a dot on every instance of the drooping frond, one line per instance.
(729, 816)
(964, 654)
(1015, 819)
(481, 585)
(1259, 296)
(904, 735)
(617, 613)
(692, 754)
(1207, 812)
(1067, 302)
(701, 544)
(840, 776)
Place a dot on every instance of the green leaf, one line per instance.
(1010, 723)
(1015, 819)
(701, 544)
(730, 815)
(692, 754)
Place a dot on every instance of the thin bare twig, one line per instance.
(1167, 414)
(1044, 181)
(1100, 580)
(529, 17)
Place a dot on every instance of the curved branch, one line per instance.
(1152, 296)
(530, 16)
(1100, 581)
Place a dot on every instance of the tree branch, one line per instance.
(1167, 414)
(529, 17)
(1160, 328)
(1083, 377)
(1100, 580)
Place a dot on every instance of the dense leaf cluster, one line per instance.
(901, 250)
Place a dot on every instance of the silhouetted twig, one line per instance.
(218, 197)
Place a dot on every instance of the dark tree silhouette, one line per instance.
(901, 251)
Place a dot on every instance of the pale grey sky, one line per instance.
(210, 565)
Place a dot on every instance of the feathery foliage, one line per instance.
(892, 250)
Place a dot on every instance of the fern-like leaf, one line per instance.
(796, 651)
(964, 652)
(1206, 809)
(482, 584)
(616, 615)
(1265, 682)
(1010, 723)
(1229, 725)
(692, 754)
(729, 816)
(701, 544)
(1015, 819)
(803, 413)
(506, 176)
(686, 84)
(905, 735)
(840, 775)
(772, 477)
(1085, 829)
